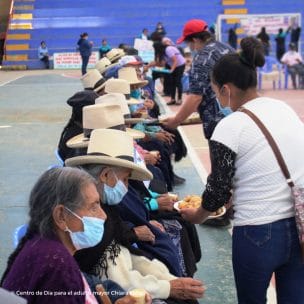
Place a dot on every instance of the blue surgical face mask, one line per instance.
(92, 234)
(225, 110)
(114, 195)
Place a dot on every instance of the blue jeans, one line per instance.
(258, 252)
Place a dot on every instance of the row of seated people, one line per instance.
(111, 226)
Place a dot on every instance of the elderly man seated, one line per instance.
(110, 160)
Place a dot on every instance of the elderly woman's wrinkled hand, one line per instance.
(158, 225)
(186, 289)
(151, 159)
(144, 234)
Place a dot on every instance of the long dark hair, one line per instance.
(55, 186)
(240, 69)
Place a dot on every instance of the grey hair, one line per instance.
(56, 186)
(94, 170)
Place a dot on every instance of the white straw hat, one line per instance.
(129, 74)
(115, 54)
(111, 148)
(101, 116)
(120, 86)
(104, 64)
(114, 99)
(93, 80)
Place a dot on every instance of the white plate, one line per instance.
(221, 214)
(175, 206)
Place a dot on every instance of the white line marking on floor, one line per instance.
(70, 76)
(3, 127)
(5, 83)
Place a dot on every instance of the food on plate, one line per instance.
(173, 196)
(190, 201)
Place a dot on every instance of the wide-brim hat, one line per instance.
(120, 99)
(115, 54)
(101, 116)
(93, 80)
(80, 141)
(104, 64)
(121, 86)
(129, 74)
(111, 148)
(114, 99)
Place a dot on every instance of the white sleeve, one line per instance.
(228, 130)
(155, 267)
(129, 275)
(283, 59)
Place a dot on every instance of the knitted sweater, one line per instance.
(45, 272)
(132, 271)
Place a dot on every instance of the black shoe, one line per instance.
(170, 103)
(177, 180)
(217, 222)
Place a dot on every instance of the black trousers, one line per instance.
(46, 61)
(85, 61)
(176, 82)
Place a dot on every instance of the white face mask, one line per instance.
(114, 195)
(92, 234)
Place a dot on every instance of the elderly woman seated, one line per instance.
(110, 159)
(65, 216)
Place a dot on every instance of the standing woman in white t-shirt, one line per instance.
(265, 239)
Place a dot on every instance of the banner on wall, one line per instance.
(145, 49)
(252, 25)
(72, 60)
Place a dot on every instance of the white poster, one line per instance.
(145, 49)
(252, 25)
(72, 60)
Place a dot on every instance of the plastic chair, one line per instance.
(60, 160)
(270, 71)
(19, 233)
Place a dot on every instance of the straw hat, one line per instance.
(120, 86)
(104, 64)
(93, 80)
(115, 54)
(114, 99)
(111, 148)
(120, 99)
(129, 74)
(101, 116)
